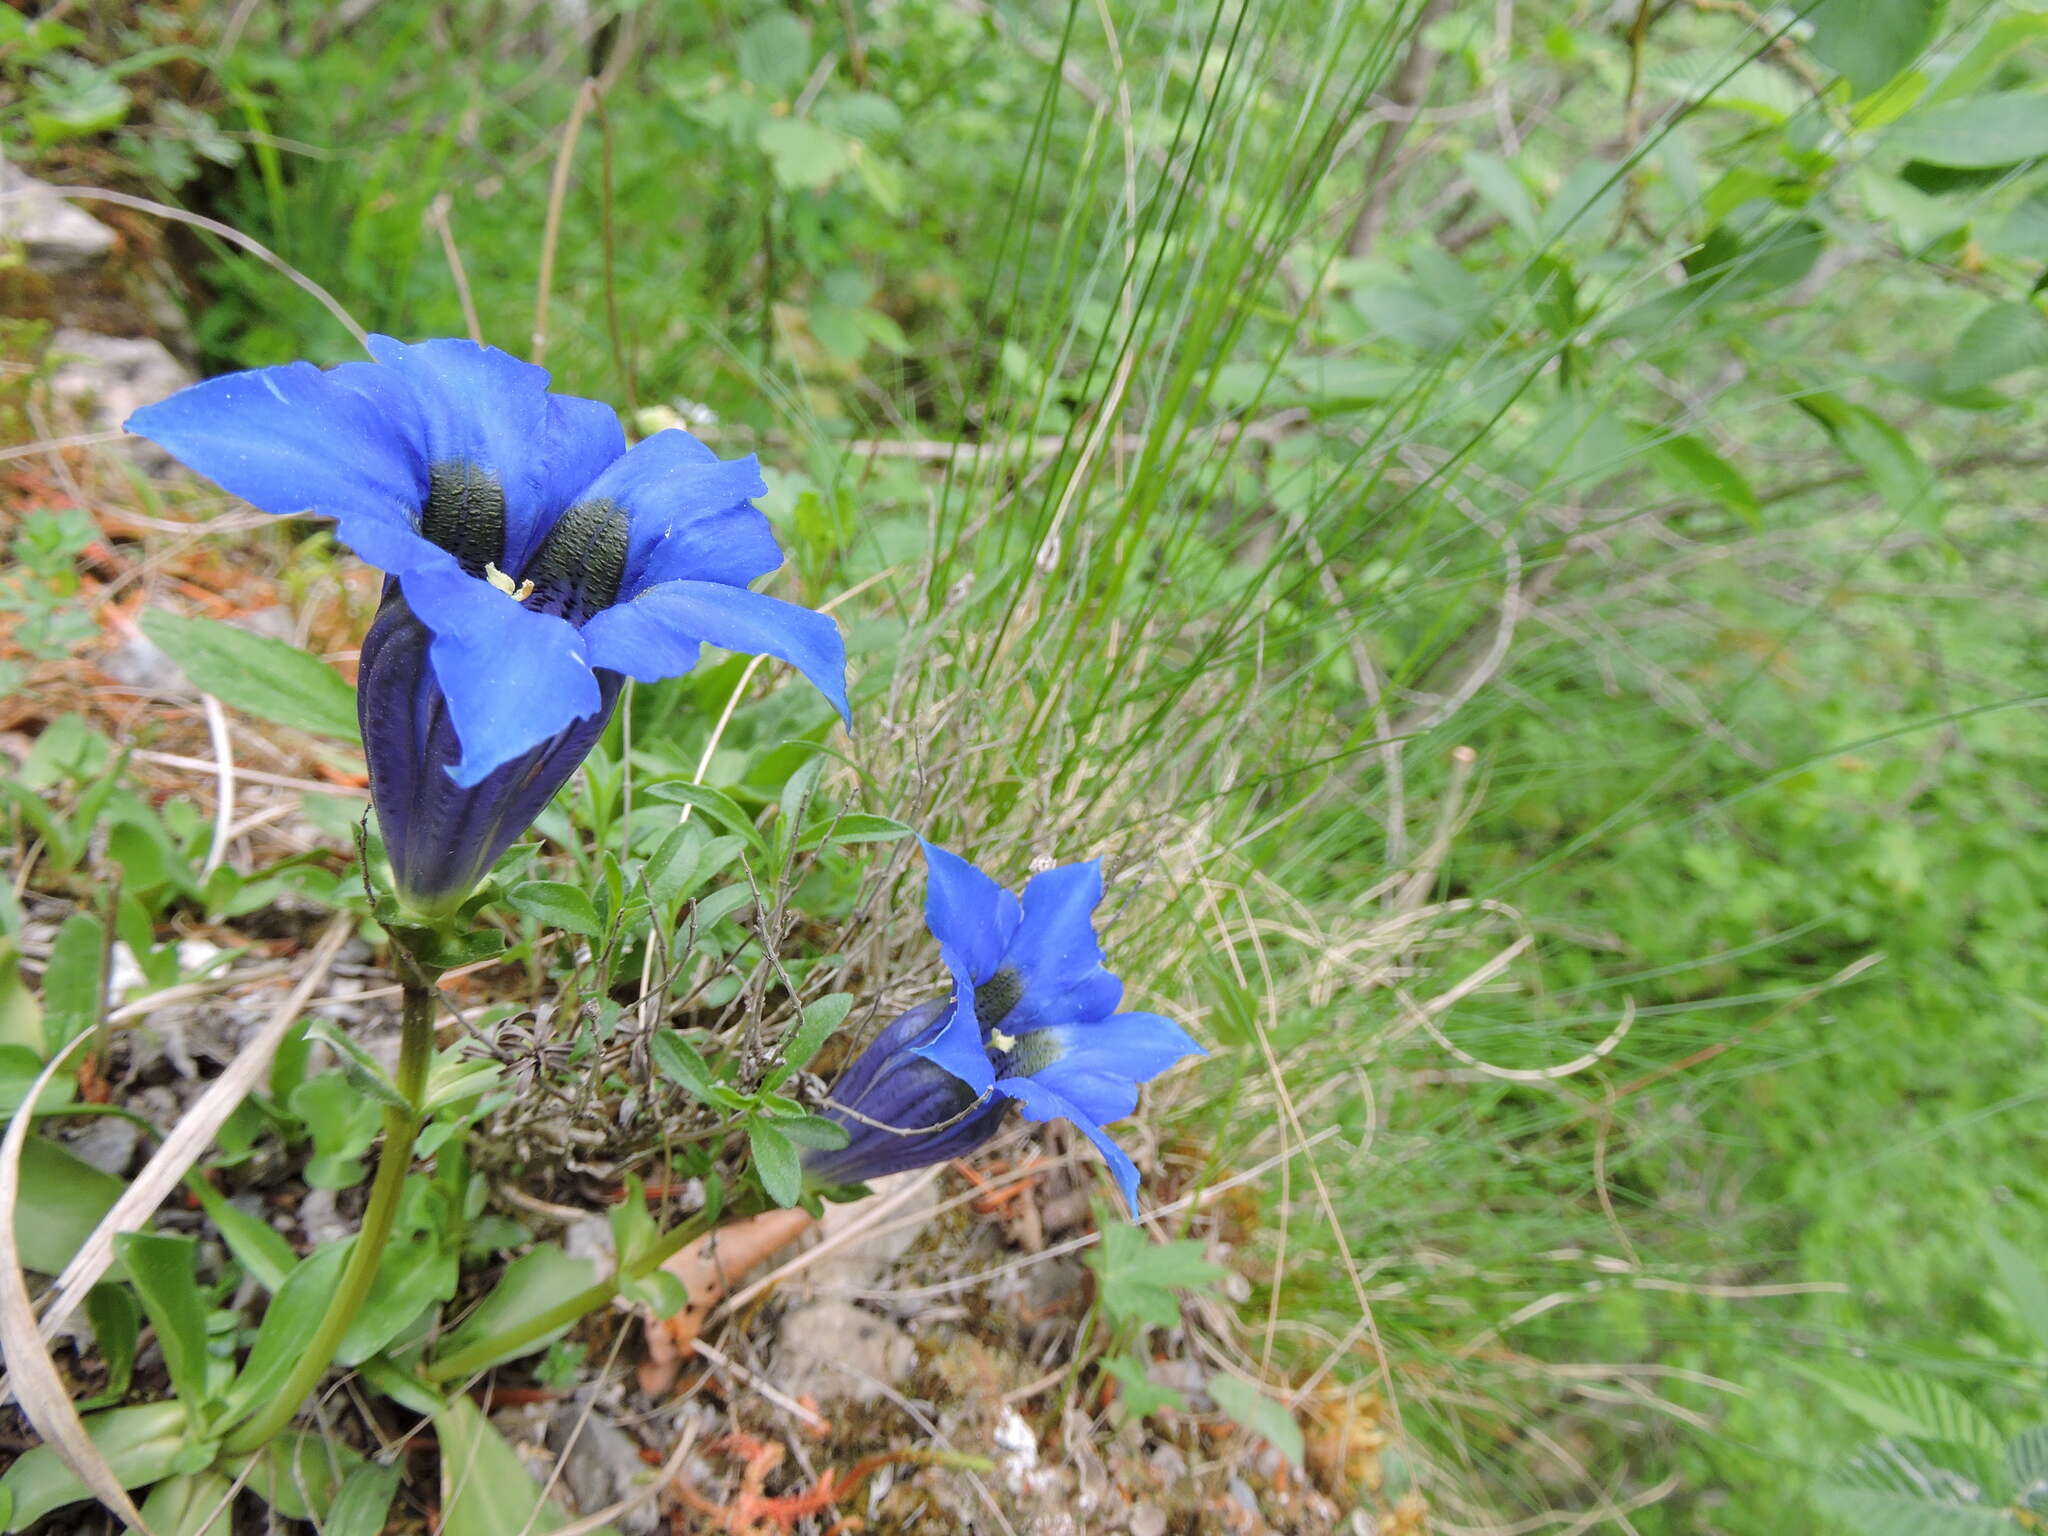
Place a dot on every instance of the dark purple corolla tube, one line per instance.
(1033, 1018)
(534, 563)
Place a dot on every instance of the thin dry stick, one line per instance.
(34, 1378)
(226, 232)
(191, 1136)
(437, 215)
(769, 1394)
(224, 783)
(668, 1472)
(558, 194)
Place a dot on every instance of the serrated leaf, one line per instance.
(2002, 339)
(1869, 41)
(557, 904)
(1977, 132)
(2026, 1467)
(1907, 1403)
(1139, 1395)
(776, 1161)
(1258, 1413)
(1139, 1278)
(257, 675)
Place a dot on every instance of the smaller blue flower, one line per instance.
(1032, 1019)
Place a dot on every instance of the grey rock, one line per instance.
(137, 663)
(839, 1350)
(58, 236)
(106, 1143)
(105, 379)
(601, 1465)
(1147, 1520)
(320, 1220)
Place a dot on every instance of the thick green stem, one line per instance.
(401, 1128)
(523, 1336)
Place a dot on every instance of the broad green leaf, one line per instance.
(257, 1246)
(362, 1070)
(485, 1488)
(677, 1060)
(258, 675)
(21, 1016)
(557, 904)
(1258, 1413)
(191, 1504)
(715, 803)
(855, 827)
(813, 1029)
(795, 800)
(776, 1161)
(1691, 468)
(141, 1444)
(671, 870)
(805, 157)
(2026, 1466)
(416, 1270)
(774, 53)
(530, 1285)
(1999, 41)
(298, 1473)
(343, 1119)
(2002, 339)
(20, 1066)
(72, 980)
(1139, 1278)
(294, 1315)
(161, 1268)
(1503, 191)
(1873, 1513)
(1881, 451)
(633, 1228)
(1137, 1393)
(1977, 132)
(1896, 1402)
(62, 1199)
(814, 1131)
(1869, 41)
(116, 1330)
(363, 1506)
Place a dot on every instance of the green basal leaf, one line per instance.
(62, 1199)
(363, 1506)
(485, 1488)
(257, 1246)
(1139, 1278)
(530, 1285)
(141, 1445)
(299, 1474)
(116, 1320)
(72, 979)
(160, 1267)
(715, 803)
(294, 1315)
(260, 676)
(191, 1504)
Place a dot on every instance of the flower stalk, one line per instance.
(394, 1161)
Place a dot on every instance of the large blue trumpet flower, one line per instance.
(534, 563)
(1032, 1019)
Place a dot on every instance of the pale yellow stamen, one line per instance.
(503, 583)
(1001, 1041)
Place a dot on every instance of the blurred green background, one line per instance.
(1539, 500)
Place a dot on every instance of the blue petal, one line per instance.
(968, 913)
(955, 1042)
(513, 678)
(583, 440)
(484, 407)
(294, 440)
(656, 635)
(1138, 1046)
(1041, 1103)
(1056, 953)
(691, 519)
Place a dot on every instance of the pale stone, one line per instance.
(58, 236)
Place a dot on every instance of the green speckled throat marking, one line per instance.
(1032, 1053)
(465, 515)
(580, 565)
(994, 998)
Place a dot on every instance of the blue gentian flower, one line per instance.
(533, 564)
(1032, 1019)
